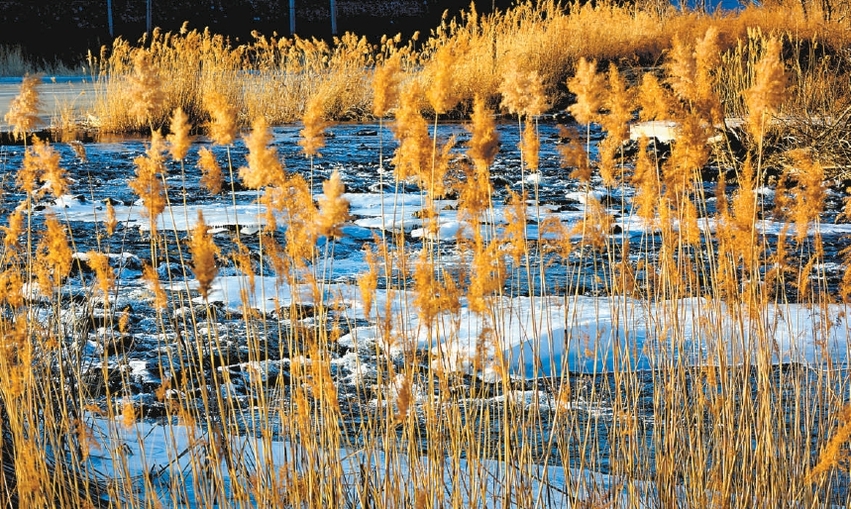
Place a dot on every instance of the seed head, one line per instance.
(146, 94)
(179, 140)
(53, 255)
(148, 184)
(484, 140)
(385, 85)
(264, 168)
(414, 153)
(23, 109)
(222, 126)
(441, 92)
(211, 172)
(523, 93)
(333, 207)
(313, 134)
(588, 86)
(105, 277)
(769, 90)
(203, 251)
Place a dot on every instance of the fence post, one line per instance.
(109, 18)
(148, 15)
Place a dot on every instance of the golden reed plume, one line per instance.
(204, 252)
(179, 139)
(211, 172)
(223, 117)
(769, 90)
(23, 109)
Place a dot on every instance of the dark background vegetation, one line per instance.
(66, 29)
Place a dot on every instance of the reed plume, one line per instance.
(211, 172)
(769, 90)
(414, 153)
(435, 181)
(645, 179)
(530, 146)
(809, 193)
(690, 153)
(146, 92)
(53, 256)
(368, 282)
(111, 221)
(11, 284)
(179, 139)
(482, 149)
(743, 211)
(833, 453)
(596, 225)
(484, 138)
(223, 118)
(104, 275)
(433, 295)
(12, 233)
(681, 69)
(619, 104)
(204, 252)
(588, 86)
(441, 92)
(573, 155)
(41, 164)
(313, 134)
(296, 200)
(487, 274)
(264, 168)
(514, 235)
(385, 85)
(333, 207)
(523, 93)
(654, 101)
(148, 184)
(24, 108)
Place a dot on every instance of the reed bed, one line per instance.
(696, 401)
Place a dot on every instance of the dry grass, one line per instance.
(722, 426)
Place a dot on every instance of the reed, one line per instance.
(440, 410)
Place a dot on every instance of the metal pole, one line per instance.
(109, 18)
(292, 17)
(333, 17)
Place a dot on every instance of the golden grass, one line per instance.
(725, 426)
(471, 55)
